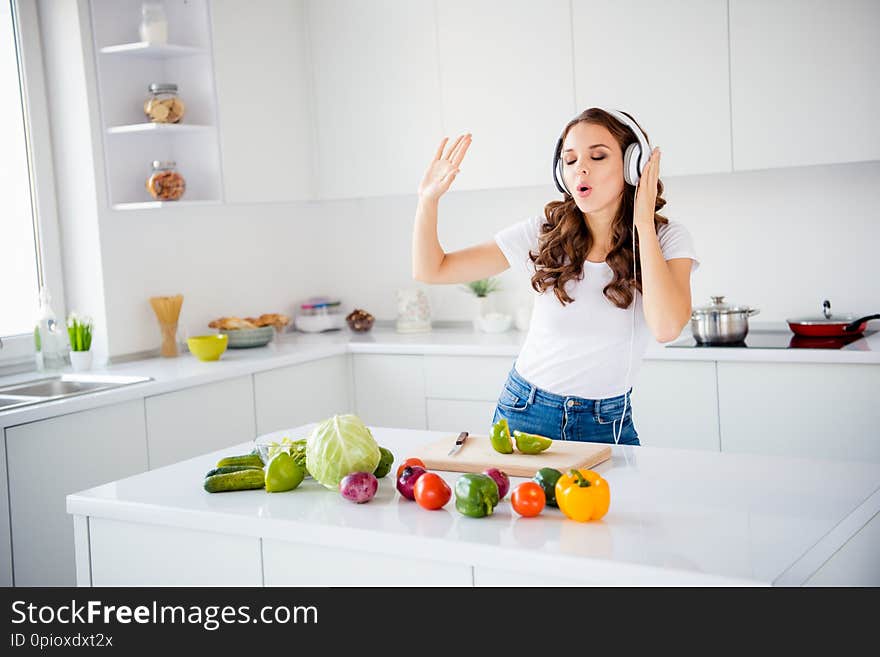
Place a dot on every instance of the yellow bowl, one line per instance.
(207, 347)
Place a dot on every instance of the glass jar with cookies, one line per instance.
(164, 105)
(166, 183)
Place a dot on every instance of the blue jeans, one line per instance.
(532, 410)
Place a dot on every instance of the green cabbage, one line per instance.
(338, 446)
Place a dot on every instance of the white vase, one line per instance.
(81, 360)
(482, 306)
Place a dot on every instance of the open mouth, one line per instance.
(583, 191)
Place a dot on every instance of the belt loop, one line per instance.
(532, 391)
(597, 409)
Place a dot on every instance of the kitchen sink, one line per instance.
(52, 388)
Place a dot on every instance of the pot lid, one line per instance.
(718, 307)
(826, 318)
(822, 321)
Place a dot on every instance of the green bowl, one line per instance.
(246, 338)
(207, 347)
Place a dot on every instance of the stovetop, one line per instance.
(777, 340)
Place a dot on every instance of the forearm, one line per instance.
(427, 254)
(667, 308)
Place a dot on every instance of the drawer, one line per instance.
(479, 378)
(457, 415)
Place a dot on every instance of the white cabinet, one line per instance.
(265, 99)
(126, 67)
(799, 72)
(134, 554)
(458, 415)
(5, 535)
(377, 96)
(666, 65)
(462, 391)
(509, 83)
(478, 378)
(675, 404)
(189, 422)
(800, 409)
(389, 390)
(334, 566)
(53, 458)
(301, 394)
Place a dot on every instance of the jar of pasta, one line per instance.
(163, 104)
(165, 183)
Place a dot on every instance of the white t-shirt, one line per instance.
(582, 349)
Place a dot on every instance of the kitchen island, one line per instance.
(677, 517)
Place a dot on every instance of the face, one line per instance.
(591, 157)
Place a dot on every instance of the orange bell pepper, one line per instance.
(583, 495)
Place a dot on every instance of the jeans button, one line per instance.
(570, 403)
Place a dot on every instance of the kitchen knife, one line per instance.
(458, 443)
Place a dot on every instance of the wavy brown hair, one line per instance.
(566, 239)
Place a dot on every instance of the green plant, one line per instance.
(483, 287)
(79, 329)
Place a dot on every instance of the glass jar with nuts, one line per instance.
(165, 183)
(164, 105)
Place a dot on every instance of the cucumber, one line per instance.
(241, 480)
(226, 469)
(244, 459)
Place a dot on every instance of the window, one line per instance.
(28, 229)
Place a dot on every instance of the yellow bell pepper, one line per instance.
(583, 495)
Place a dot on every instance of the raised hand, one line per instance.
(443, 168)
(646, 197)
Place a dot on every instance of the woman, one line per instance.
(594, 313)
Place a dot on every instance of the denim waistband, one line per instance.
(536, 394)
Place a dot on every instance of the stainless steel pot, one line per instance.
(720, 323)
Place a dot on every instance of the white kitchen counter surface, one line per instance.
(677, 517)
(176, 373)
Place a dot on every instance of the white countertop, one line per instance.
(677, 517)
(295, 347)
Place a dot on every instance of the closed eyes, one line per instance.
(592, 158)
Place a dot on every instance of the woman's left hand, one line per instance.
(646, 197)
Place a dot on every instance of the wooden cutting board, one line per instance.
(477, 454)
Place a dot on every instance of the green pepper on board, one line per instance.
(476, 495)
(500, 437)
(531, 443)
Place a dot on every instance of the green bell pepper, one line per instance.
(476, 495)
(546, 478)
(531, 443)
(385, 461)
(500, 437)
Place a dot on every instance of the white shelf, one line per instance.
(126, 67)
(169, 128)
(151, 205)
(147, 49)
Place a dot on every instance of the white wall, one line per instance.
(781, 240)
(225, 260)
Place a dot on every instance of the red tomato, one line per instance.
(528, 499)
(410, 461)
(431, 491)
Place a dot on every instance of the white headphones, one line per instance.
(635, 158)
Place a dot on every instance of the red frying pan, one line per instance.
(830, 325)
